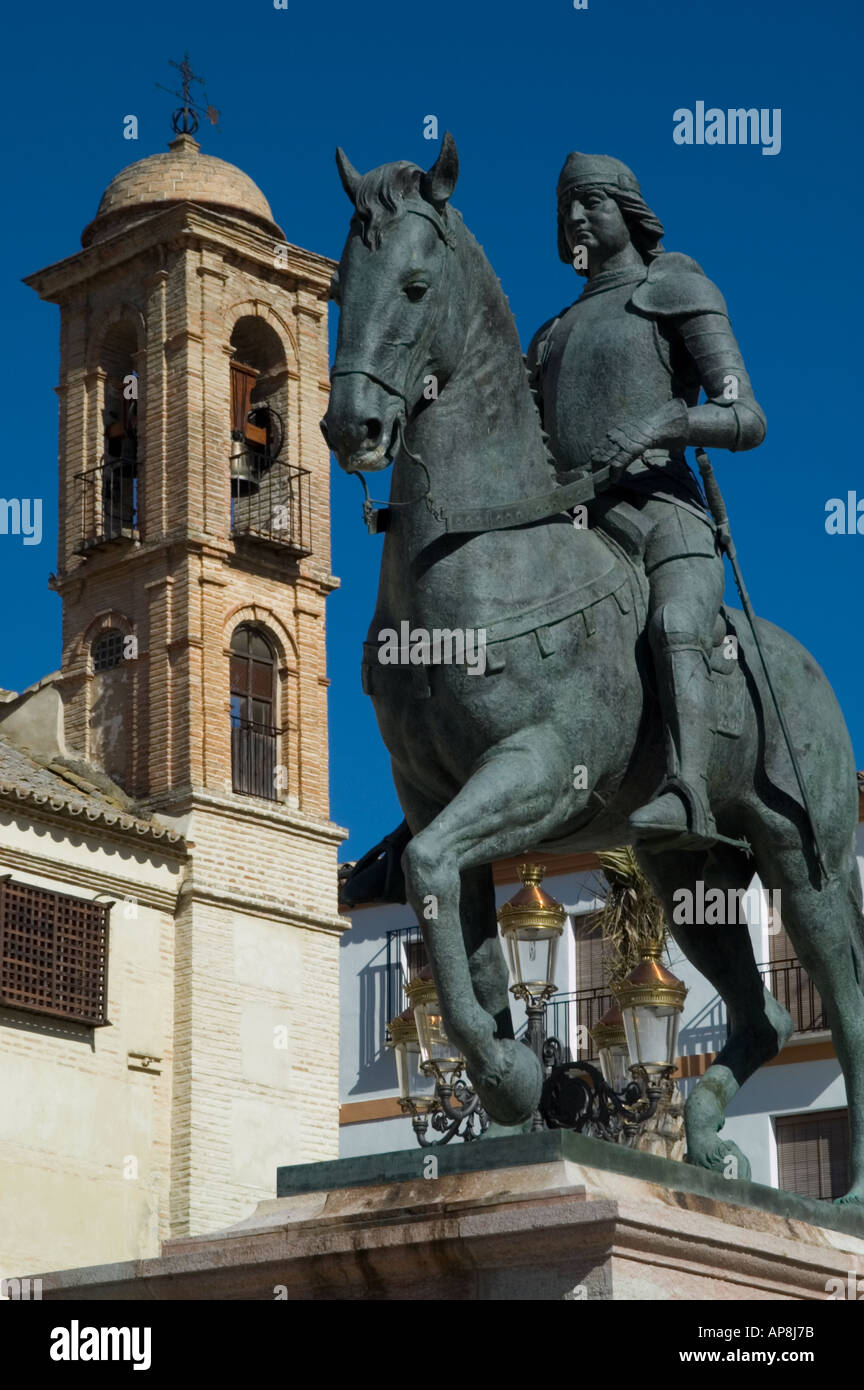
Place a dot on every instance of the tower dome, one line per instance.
(182, 175)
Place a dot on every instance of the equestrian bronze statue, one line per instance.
(554, 512)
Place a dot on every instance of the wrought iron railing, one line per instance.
(276, 508)
(400, 943)
(569, 1017)
(792, 987)
(254, 758)
(108, 502)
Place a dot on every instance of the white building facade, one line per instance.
(789, 1119)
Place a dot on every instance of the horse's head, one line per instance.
(399, 320)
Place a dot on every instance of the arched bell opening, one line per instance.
(117, 494)
(259, 404)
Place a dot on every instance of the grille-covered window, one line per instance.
(108, 650)
(53, 953)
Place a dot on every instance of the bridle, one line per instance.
(524, 510)
(352, 368)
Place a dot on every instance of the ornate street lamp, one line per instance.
(651, 999)
(636, 1038)
(531, 923)
(638, 1034)
(416, 1086)
(429, 1069)
(611, 1043)
(438, 1055)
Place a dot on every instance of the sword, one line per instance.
(727, 545)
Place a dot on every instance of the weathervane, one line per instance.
(185, 118)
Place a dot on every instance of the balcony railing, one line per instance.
(108, 503)
(792, 987)
(276, 510)
(253, 759)
(787, 980)
(571, 1016)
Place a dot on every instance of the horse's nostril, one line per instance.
(373, 430)
(323, 427)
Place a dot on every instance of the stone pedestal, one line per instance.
(548, 1216)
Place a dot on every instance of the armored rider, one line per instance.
(617, 378)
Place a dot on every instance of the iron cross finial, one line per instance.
(185, 119)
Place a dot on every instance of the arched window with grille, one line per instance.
(110, 702)
(108, 649)
(254, 735)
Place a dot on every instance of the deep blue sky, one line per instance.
(519, 85)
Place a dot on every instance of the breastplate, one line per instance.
(606, 364)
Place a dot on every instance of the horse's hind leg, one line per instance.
(723, 953)
(825, 927)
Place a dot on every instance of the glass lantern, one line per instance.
(439, 1057)
(611, 1042)
(416, 1086)
(651, 999)
(531, 923)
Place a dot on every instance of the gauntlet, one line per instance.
(667, 428)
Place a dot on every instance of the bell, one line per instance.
(244, 477)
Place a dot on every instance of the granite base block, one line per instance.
(548, 1216)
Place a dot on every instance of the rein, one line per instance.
(476, 520)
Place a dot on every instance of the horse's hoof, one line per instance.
(722, 1156)
(511, 1095)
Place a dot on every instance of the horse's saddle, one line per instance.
(619, 576)
(619, 579)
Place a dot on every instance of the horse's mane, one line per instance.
(378, 196)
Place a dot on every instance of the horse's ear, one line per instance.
(437, 185)
(348, 174)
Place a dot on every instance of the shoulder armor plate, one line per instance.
(677, 285)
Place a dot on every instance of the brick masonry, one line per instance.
(160, 287)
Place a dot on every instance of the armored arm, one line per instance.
(535, 359)
(678, 294)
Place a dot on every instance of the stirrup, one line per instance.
(701, 831)
(699, 818)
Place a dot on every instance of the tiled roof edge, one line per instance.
(113, 820)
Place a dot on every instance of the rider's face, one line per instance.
(594, 220)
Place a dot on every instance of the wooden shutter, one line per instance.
(590, 970)
(813, 1154)
(243, 381)
(779, 945)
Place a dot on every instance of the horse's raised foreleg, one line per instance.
(518, 795)
(723, 953)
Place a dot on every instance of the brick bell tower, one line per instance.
(194, 565)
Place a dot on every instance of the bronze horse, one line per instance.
(559, 739)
